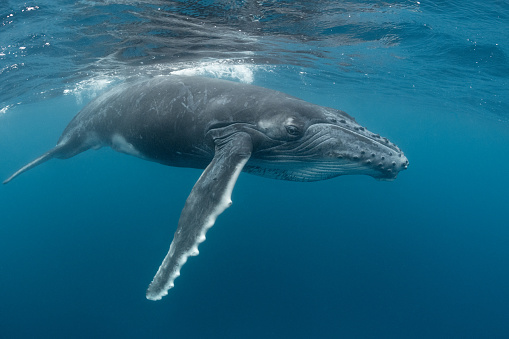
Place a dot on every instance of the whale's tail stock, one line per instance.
(43, 158)
(63, 150)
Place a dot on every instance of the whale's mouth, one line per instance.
(327, 151)
(370, 149)
(308, 171)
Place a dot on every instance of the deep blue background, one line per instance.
(424, 256)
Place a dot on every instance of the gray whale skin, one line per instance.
(224, 128)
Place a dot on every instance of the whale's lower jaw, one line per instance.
(307, 171)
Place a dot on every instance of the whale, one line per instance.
(225, 128)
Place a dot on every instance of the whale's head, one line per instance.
(299, 141)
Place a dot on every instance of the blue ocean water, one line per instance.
(424, 256)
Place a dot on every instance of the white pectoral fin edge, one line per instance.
(210, 196)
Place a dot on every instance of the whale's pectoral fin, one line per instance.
(209, 197)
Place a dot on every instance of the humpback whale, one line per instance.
(224, 128)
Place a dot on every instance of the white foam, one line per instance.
(221, 69)
(229, 69)
(89, 88)
(5, 109)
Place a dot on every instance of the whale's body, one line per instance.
(224, 128)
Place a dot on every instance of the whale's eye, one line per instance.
(292, 130)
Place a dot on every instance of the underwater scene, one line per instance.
(420, 251)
